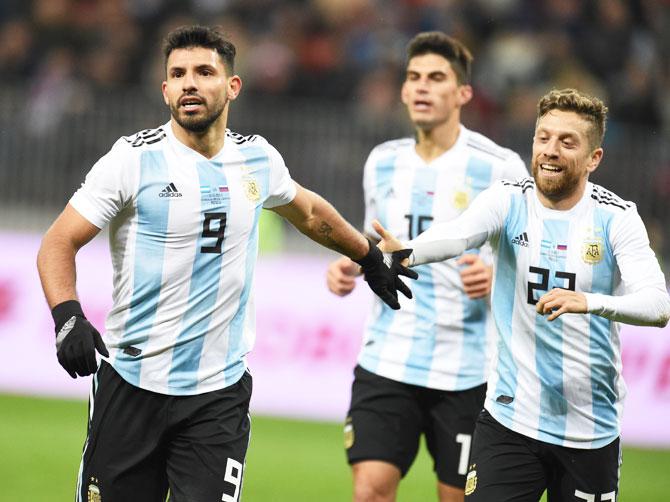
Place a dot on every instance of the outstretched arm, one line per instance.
(318, 220)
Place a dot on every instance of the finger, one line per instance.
(408, 272)
(556, 313)
(379, 228)
(63, 362)
(468, 259)
(476, 293)
(389, 299)
(403, 288)
(479, 278)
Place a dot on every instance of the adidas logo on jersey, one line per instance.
(521, 240)
(170, 191)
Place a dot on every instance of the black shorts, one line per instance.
(386, 420)
(508, 466)
(140, 443)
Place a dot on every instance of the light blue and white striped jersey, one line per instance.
(438, 339)
(559, 382)
(183, 239)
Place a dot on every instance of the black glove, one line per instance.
(382, 271)
(76, 339)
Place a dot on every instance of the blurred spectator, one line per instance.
(349, 52)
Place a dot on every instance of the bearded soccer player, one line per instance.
(421, 370)
(572, 261)
(169, 404)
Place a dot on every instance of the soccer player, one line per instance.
(421, 370)
(572, 261)
(169, 404)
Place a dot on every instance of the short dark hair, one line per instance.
(436, 42)
(186, 37)
(571, 100)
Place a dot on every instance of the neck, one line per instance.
(431, 143)
(207, 143)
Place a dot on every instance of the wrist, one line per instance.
(62, 312)
(372, 257)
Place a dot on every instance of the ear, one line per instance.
(594, 161)
(164, 91)
(464, 94)
(234, 87)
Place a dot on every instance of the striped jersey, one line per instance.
(438, 338)
(560, 382)
(183, 240)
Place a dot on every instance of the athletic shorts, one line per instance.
(508, 466)
(140, 443)
(386, 420)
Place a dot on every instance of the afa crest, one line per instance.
(471, 481)
(251, 189)
(461, 199)
(348, 433)
(592, 251)
(94, 491)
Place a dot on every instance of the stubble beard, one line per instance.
(195, 123)
(555, 188)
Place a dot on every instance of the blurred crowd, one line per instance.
(354, 49)
(67, 57)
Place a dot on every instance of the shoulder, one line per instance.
(248, 140)
(143, 138)
(392, 147)
(477, 142)
(609, 200)
(521, 185)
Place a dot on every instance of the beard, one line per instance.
(197, 123)
(558, 187)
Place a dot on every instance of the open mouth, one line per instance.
(550, 169)
(190, 103)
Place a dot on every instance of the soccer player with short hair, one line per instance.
(421, 370)
(169, 403)
(572, 261)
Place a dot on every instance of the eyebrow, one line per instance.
(199, 67)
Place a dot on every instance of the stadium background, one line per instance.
(321, 82)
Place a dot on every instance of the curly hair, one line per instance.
(588, 107)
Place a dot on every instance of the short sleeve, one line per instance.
(106, 188)
(282, 188)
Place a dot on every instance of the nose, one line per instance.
(551, 148)
(188, 82)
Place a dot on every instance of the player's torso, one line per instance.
(184, 249)
(547, 372)
(426, 341)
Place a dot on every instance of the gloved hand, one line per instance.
(382, 271)
(76, 339)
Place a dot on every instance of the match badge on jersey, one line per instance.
(94, 491)
(348, 433)
(251, 189)
(471, 480)
(592, 250)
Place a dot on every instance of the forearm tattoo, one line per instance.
(325, 232)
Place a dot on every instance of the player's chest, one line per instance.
(572, 254)
(201, 198)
